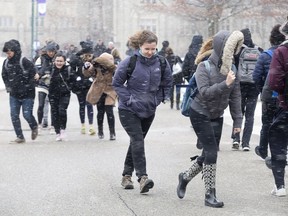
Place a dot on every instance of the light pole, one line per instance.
(32, 27)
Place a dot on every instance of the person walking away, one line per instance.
(218, 87)
(101, 92)
(268, 97)
(139, 95)
(189, 66)
(19, 75)
(278, 136)
(81, 85)
(59, 94)
(245, 62)
(177, 76)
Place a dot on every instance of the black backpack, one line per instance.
(132, 64)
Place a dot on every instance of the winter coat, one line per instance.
(61, 82)
(80, 83)
(260, 74)
(145, 89)
(189, 66)
(44, 64)
(214, 95)
(20, 84)
(278, 73)
(102, 71)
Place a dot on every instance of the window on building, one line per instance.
(148, 24)
(148, 1)
(6, 21)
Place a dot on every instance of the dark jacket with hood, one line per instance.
(214, 95)
(189, 66)
(145, 89)
(18, 82)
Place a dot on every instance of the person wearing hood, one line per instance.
(278, 136)
(249, 95)
(218, 87)
(101, 93)
(44, 65)
(268, 97)
(165, 45)
(81, 85)
(139, 95)
(189, 66)
(19, 75)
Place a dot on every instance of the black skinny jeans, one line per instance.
(278, 140)
(81, 96)
(59, 107)
(41, 103)
(209, 134)
(137, 129)
(108, 109)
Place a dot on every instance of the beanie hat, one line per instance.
(284, 28)
(51, 47)
(86, 48)
(165, 43)
(12, 45)
(276, 37)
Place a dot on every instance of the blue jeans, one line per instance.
(27, 110)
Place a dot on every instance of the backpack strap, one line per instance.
(269, 52)
(131, 66)
(20, 62)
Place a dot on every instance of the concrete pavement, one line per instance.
(82, 175)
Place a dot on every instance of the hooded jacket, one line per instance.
(145, 89)
(102, 70)
(18, 82)
(214, 95)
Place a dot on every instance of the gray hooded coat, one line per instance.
(214, 95)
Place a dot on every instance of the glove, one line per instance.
(87, 65)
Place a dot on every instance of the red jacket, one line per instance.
(278, 72)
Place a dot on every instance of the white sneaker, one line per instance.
(281, 192)
(52, 130)
(62, 135)
(58, 137)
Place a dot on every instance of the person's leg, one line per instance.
(217, 125)
(27, 109)
(100, 116)
(63, 105)
(278, 139)
(54, 103)
(41, 103)
(15, 105)
(90, 114)
(177, 98)
(172, 96)
(45, 113)
(82, 103)
(111, 121)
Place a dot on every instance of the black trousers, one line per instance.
(137, 129)
(102, 109)
(209, 134)
(278, 140)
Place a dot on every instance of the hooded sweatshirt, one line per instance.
(18, 82)
(214, 95)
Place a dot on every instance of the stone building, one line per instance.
(71, 21)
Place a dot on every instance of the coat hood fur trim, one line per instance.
(205, 50)
(106, 60)
(232, 47)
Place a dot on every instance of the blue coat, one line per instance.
(145, 89)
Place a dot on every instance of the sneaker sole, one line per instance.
(128, 187)
(149, 184)
(235, 147)
(246, 149)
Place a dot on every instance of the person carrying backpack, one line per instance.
(140, 92)
(19, 75)
(245, 63)
(218, 87)
(268, 97)
(278, 136)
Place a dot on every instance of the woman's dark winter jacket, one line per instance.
(20, 84)
(260, 74)
(44, 71)
(145, 89)
(61, 82)
(214, 95)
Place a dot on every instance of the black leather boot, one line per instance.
(100, 132)
(209, 176)
(112, 134)
(185, 177)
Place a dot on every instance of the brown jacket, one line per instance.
(102, 70)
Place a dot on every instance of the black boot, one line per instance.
(112, 134)
(209, 176)
(100, 132)
(185, 177)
